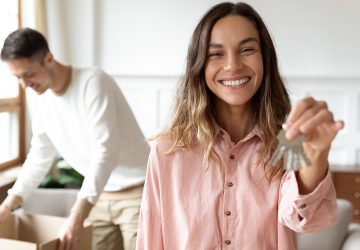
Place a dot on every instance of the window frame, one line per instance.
(16, 104)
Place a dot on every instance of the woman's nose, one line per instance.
(233, 64)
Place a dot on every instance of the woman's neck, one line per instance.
(237, 121)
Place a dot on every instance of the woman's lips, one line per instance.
(235, 82)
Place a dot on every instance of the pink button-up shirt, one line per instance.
(232, 206)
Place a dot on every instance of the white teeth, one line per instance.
(236, 82)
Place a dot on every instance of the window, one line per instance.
(12, 122)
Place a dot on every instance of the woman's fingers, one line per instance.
(299, 108)
(322, 116)
(310, 120)
(307, 117)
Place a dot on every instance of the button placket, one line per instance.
(230, 171)
(227, 242)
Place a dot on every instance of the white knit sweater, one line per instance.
(93, 128)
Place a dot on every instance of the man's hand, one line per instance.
(71, 232)
(5, 211)
(73, 228)
(10, 203)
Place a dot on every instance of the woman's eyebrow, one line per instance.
(215, 45)
(249, 39)
(246, 40)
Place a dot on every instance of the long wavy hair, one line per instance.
(193, 110)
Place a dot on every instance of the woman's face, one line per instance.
(234, 67)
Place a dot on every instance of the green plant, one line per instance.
(62, 175)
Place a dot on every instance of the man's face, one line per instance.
(31, 74)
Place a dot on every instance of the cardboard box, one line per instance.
(36, 232)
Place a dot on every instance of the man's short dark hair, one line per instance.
(24, 43)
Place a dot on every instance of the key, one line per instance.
(292, 152)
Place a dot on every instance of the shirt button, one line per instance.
(232, 157)
(227, 242)
(227, 213)
(230, 184)
(303, 206)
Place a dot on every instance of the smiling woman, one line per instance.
(11, 97)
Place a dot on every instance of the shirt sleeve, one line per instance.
(37, 164)
(149, 235)
(310, 212)
(100, 107)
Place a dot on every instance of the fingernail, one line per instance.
(289, 134)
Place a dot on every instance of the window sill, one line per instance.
(9, 175)
(7, 179)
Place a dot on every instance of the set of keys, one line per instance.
(292, 152)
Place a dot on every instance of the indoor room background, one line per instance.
(143, 44)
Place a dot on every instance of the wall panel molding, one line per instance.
(151, 98)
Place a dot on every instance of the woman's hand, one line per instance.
(313, 120)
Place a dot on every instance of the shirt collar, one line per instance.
(219, 131)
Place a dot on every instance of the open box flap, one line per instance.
(39, 228)
(51, 245)
(16, 245)
(8, 228)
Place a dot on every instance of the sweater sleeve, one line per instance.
(310, 212)
(37, 164)
(100, 107)
(149, 236)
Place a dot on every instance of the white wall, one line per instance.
(313, 38)
(143, 45)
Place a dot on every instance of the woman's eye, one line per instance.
(247, 51)
(214, 54)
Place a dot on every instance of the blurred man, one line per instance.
(82, 115)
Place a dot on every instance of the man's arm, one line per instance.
(81, 208)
